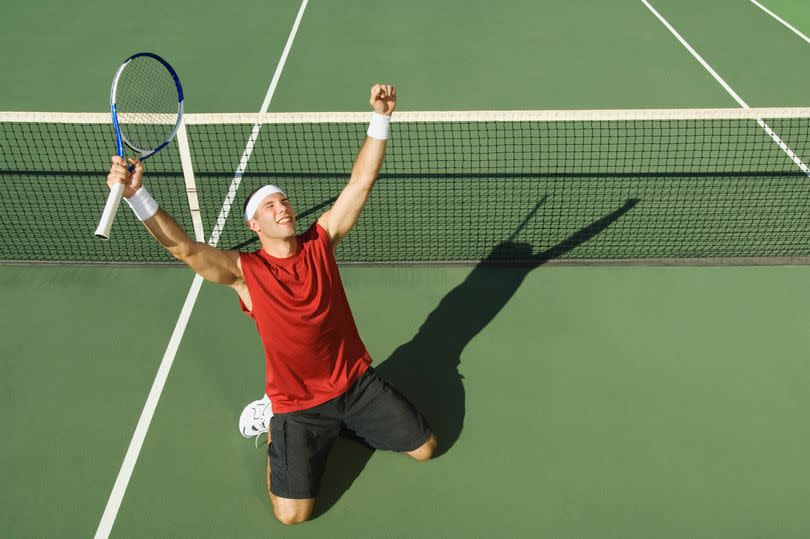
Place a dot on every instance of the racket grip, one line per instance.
(110, 209)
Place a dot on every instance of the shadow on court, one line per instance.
(425, 369)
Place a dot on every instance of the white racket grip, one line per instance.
(110, 209)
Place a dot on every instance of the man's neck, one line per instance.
(281, 247)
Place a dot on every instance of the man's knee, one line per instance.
(426, 450)
(291, 511)
(288, 515)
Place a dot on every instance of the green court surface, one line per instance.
(570, 401)
(581, 402)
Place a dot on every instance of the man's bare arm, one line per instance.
(343, 215)
(212, 264)
(209, 262)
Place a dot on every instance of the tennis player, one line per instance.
(319, 374)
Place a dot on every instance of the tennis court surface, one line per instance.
(585, 261)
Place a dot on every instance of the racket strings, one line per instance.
(147, 103)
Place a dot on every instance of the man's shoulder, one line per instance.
(247, 261)
(314, 233)
(317, 243)
(241, 255)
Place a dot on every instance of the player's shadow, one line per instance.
(425, 369)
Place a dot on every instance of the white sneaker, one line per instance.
(255, 418)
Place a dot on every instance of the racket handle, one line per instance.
(110, 209)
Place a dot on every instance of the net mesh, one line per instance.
(451, 189)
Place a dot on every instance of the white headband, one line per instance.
(257, 197)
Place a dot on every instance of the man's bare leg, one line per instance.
(289, 511)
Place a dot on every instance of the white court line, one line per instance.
(784, 147)
(698, 57)
(783, 21)
(237, 177)
(190, 182)
(127, 467)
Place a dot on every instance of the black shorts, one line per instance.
(371, 409)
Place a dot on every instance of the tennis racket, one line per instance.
(146, 103)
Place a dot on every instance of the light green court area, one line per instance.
(571, 402)
(452, 55)
(66, 53)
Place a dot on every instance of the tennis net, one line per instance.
(455, 186)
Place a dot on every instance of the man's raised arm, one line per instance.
(214, 265)
(343, 215)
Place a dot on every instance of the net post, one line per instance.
(191, 182)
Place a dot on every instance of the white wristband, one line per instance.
(142, 204)
(380, 127)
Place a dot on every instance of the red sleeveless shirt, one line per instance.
(313, 350)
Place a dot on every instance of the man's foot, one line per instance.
(255, 418)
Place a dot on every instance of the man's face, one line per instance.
(275, 217)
